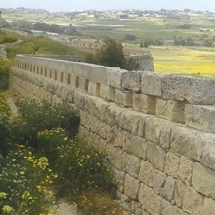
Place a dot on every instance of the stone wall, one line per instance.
(158, 130)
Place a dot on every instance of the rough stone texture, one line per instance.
(151, 83)
(156, 155)
(168, 209)
(208, 207)
(124, 98)
(185, 170)
(148, 104)
(200, 117)
(179, 193)
(203, 180)
(139, 147)
(171, 110)
(119, 179)
(151, 202)
(132, 81)
(159, 180)
(147, 172)
(172, 164)
(186, 142)
(192, 201)
(133, 165)
(131, 187)
(188, 89)
(137, 102)
(168, 190)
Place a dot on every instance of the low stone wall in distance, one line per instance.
(158, 130)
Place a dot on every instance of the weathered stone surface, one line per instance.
(104, 91)
(153, 126)
(126, 141)
(203, 180)
(168, 190)
(192, 201)
(115, 137)
(186, 142)
(124, 98)
(188, 89)
(147, 172)
(172, 164)
(131, 187)
(208, 150)
(200, 117)
(148, 104)
(133, 165)
(156, 155)
(137, 102)
(131, 80)
(185, 170)
(151, 83)
(119, 179)
(114, 77)
(171, 110)
(151, 202)
(139, 147)
(159, 180)
(179, 193)
(168, 209)
(165, 135)
(208, 207)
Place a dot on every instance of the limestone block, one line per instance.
(192, 201)
(170, 110)
(203, 180)
(165, 135)
(131, 187)
(186, 142)
(168, 190)
(137, 102)
(115, 136)
(156, 155)
(104, 91)
(159, 180)
(139, 147)
(92, 89)
(147, 172)
(112, 153)
(131, 81)
(208, 207)
(99, 74)
(126, 141)
(200, 117)
(133, 165)
(172, 164)
(121, 160)
(119, 179)
(179, 193)
(151, 83)
(168, 209)
(114, 77)
(208, 150)
(77, 69)
(148, 104)
(185, 170)
(124, 98)
(152, 129)
(188, 89)
(104, 130)
(150, 201)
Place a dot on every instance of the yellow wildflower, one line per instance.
(7, 209)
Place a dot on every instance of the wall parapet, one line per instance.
(158, 130)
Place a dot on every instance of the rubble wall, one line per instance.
(158, 130)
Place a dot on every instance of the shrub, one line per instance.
(25, 183)
(35, 117)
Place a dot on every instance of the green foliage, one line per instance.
(36, 117)
(6, 37)
(208, 42)
(5, 66)
(111, 55)
(24, 183)
(42, 45)
(130, 37)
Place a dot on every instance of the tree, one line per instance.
(208, 42)
(130, 37)
(111, 55)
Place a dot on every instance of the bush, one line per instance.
(35, 117)
(24, 183)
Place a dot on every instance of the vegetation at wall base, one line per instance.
(57, 161)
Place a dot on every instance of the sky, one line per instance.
(70, 5)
